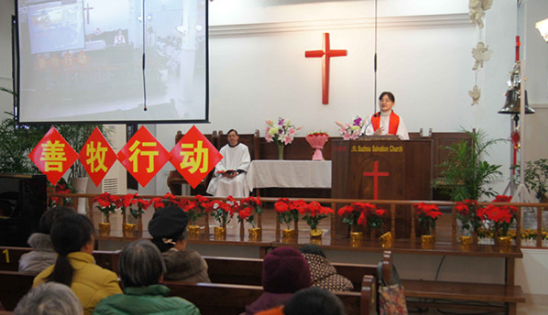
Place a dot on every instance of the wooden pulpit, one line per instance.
(383, 169)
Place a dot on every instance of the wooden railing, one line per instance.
(390, 205)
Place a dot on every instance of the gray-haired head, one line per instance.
(141, 264)
(50, 298)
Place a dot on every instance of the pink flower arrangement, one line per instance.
(280, 132)
(351, 131)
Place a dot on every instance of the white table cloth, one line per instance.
(289, 173)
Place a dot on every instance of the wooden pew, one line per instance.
(231, 299)
(210, 298)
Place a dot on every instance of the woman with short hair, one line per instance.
(142, 270)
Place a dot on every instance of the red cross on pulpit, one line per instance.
(325, 54)
(376, 174)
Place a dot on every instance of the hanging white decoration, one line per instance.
(477, 7)
(481, 53)
(475, 94)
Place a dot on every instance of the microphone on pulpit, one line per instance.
(368, 122)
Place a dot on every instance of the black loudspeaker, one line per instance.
(23, 200)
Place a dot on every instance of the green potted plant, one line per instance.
(465, 174)
(536, 178)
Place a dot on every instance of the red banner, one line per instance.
(97, 156)
(194, 156)
(143, 156)
(53, 155)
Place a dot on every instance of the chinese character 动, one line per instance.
(195, 157)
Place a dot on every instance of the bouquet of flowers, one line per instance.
(317, 140)
(360, 213)
(352, 130)
(316, 212)
(501, 216)
(289, 210)
(107, 203)
(281, 132)
(427, 215)
(62, 187)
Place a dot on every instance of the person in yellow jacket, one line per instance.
(72, 236)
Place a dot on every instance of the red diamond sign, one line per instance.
(143, 156)
(53, 155)
(97, 156)
(194, 156)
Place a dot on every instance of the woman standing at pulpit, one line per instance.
(386, 122)
(229, 178)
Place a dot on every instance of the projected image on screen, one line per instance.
(82, 60)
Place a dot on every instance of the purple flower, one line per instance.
(357, 121)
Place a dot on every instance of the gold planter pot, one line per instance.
(356, 236)
(504, 243)
(427, 241)
(219, 233)
(288, 233)
(386, 240)
(193, 230)
(255, 234)
(316, 233)
(104, 228)
(129, 228)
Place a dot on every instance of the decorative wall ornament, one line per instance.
(475, 94)
(477, 8)
(481, 53)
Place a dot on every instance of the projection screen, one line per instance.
(112, 61)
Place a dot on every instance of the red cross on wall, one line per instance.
(376, 174)
(325, 54)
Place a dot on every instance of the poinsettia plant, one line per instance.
(140, 206)
(427, 215)
(62, 187)
(195, 208)
(362, 213)
(289, 210)
(223, 211)
(316, 212)
(501, 216)
(107, 203)
(246, 208)
(467, 215)
(167, 200)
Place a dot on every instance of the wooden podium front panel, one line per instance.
(389, 170)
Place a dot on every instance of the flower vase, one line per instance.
(427, 241)
(317, 142)
(129, 228)
(255, 234)
(219, 233)
(280, 150)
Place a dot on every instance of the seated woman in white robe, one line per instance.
(386, 122)
(229, 179)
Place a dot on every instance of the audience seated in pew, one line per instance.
(169, 234)
(142, 269)
(323, 274)
(285, 271)
(311, 301)
(49, 298)
(43, 254)
(72, 236)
